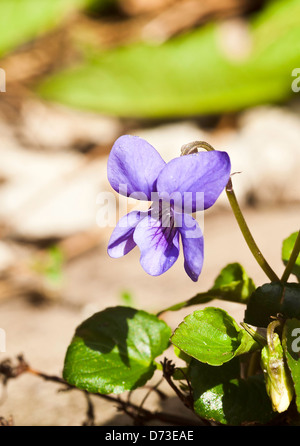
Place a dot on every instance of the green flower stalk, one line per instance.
(278, 381)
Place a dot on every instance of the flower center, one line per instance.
(163, 213)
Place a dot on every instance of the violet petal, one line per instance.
(194, 181)
(133, 166)
(159, 245)
(192, 243)
(121, 240)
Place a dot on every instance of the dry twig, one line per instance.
(139, 415)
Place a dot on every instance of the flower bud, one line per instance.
(278, 381)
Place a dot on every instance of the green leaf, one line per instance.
(291, 347)
(23, 20)
(188, 75)
(181, 355)
(212, 336)
(271, 299)
(114, 350)
(220, 395)
(287, 248)
(232, 284)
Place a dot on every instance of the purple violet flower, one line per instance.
(176, 189)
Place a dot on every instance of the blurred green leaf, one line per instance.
(189, 74)
(23, 20)
(54, 267)
(114, 350)
(49, 264)
(127, 299)
(97, 6)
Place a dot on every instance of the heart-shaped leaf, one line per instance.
(220, 395)
(212, 336)
(233, 284)
(271, 299)
(114, 350)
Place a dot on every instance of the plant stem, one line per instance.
(168, 369)
(247, 234)
(270, 333)
(193, 147)
(254, 363)
(292, 260)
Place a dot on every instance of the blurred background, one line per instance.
(77, 74)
